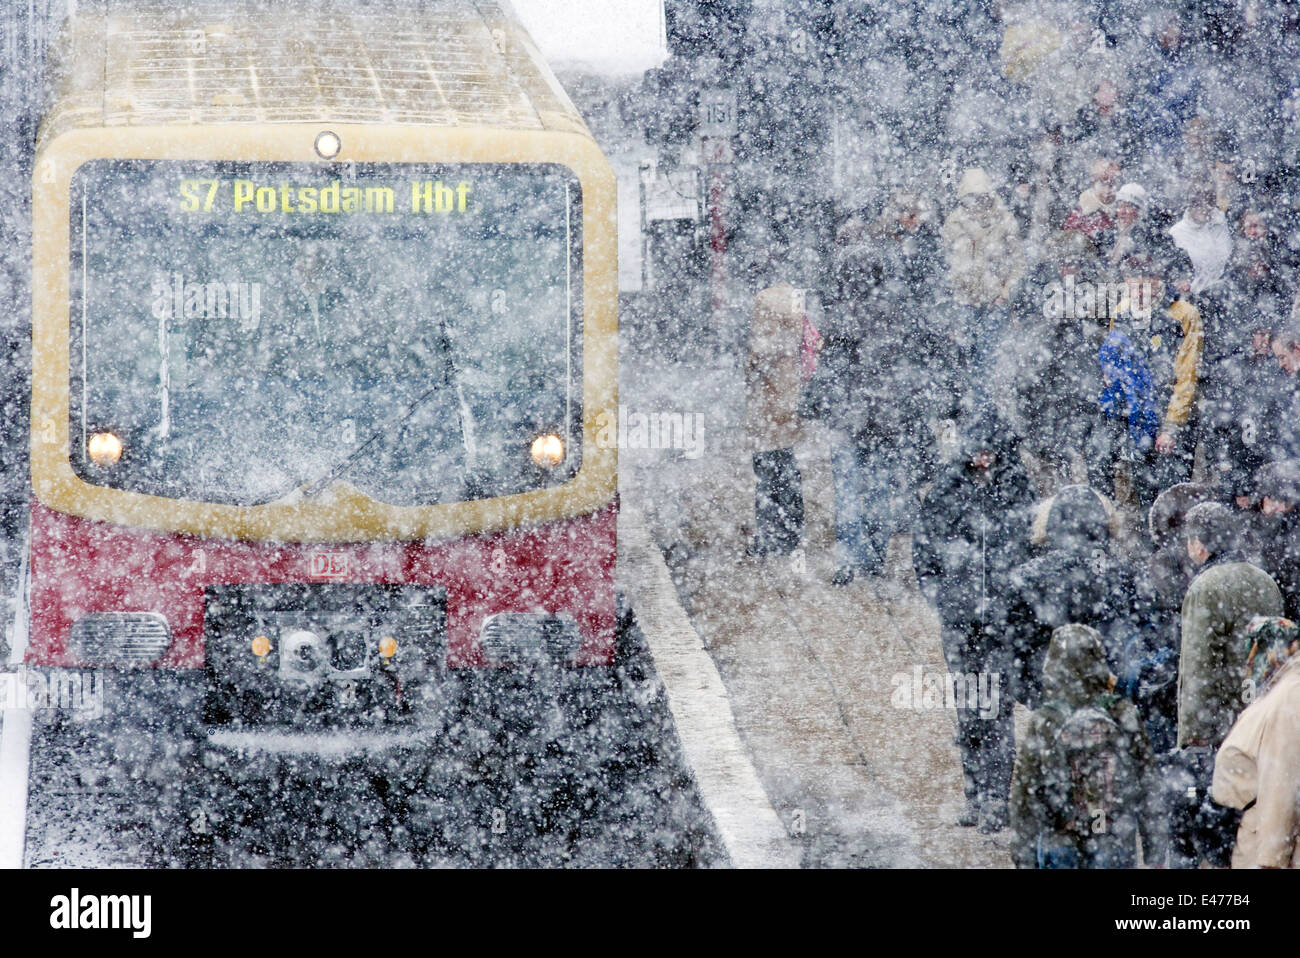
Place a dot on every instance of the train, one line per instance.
(324, 324)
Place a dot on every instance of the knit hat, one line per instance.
(1132, 194)
(1214, 525)
(974, 180)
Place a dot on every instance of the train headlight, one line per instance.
(548, 451)
(104, 448)
(328, 144)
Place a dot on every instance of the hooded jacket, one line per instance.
(1075, 676)
(1076, 580)
(1170, 568)
(1258, 766)
(985, 255)
(1218, 607)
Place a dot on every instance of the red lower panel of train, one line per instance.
(81, 567)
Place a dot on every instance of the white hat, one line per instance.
(1132, 194)
(974, 180)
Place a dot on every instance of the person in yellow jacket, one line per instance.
(1173, 338)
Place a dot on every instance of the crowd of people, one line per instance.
(1080, 366)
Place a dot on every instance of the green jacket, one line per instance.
(1218, 607)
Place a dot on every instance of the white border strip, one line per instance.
(750, 829)
(15, 742)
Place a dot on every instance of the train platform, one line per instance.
(818, 678)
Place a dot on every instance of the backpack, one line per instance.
(1091, 758)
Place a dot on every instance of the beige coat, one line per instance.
(772, 371)
(1259, 761)
(985, 255)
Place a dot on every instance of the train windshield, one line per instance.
(247, 333)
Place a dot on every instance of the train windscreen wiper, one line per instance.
(316, 486)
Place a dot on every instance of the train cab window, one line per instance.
(254, 332)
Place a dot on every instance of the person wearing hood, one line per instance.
(1170, 569)
(1076, 579)
(1086, 783)
(1257, 768)
(1277, 487)
(971, 533)
(1225, 596)
(985, 262)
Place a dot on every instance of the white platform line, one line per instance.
(15, 748)
(750, 829)
(15, 743)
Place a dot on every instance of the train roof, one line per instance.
(459, 63)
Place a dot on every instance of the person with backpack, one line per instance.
(1086, 784)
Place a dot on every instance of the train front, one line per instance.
(314, 431)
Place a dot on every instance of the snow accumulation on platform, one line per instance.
(729, 785)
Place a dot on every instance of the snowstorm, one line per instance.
(652, 434)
